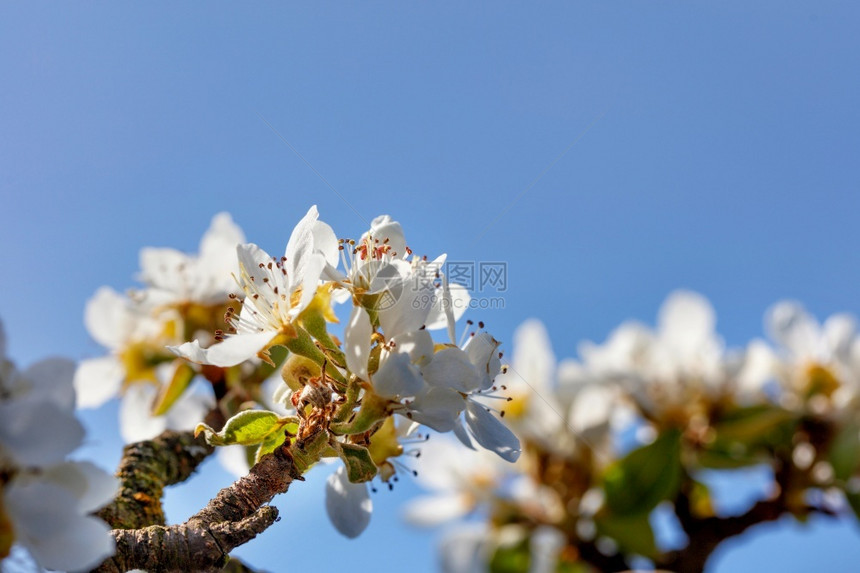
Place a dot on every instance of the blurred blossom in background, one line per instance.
(607, 155)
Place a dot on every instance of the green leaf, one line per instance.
(571, 567)
(246, 428)
(844, 454)
(359, 464)
(173, 390)
(271, 443)
(633, 533)
(750, 423)
(648, 475)
(514, 558)
(727, 456)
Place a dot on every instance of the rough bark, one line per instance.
(235, 516)
(191, 546)
(144, 471)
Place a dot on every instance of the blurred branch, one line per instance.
(706, 533)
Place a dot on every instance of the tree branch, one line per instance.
(233, 517)
(144, 471)
(190, 546)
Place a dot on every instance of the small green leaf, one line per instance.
(514, 558)
(843, 455)
(173, 390)
(271, 442)
(750, 423)
(359, 465)
(633, 533)
(648, 475)
(246, 428)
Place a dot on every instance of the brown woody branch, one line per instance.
(235, 516)
(145, 470)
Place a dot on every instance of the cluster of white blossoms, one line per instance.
(45, 500)
(608, 437)
(182, 296)
(388, 363)
(210, 332)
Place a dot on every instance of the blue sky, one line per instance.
(607, 152)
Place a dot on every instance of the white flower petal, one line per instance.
(108, 317)
(686, 321)
(53, 378)
(452, 368)
(533, 359)
(465, 549)
(418, 344)
(48, 524)
(491, 433)
(325, 242)
(348, 504)
(758, 367)
(250, 257)
(385, 230)
(300, 247)
(546, 544)
(36, 432)
(621, 351)
(160, 268)
(136, 422)
(460, 432)
(397, 377)
(790, 325)
(92, 486)
(592, 408)
(449, 305)
(222, 237)
(98, 380)
(483, 353)
(191, 408)
(839, 332)
(310, 278)
(429, 511)
(437, 408)
(229, 352)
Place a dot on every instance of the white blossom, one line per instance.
(276, 291)
(47, 499)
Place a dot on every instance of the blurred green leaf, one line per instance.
(648, 475)
(514, 558)
(750, 423)
(173, 390)
(844, 454)
(633, 533)
(572, 567)
(726, 456)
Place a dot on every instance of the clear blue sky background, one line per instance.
(712, 146)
